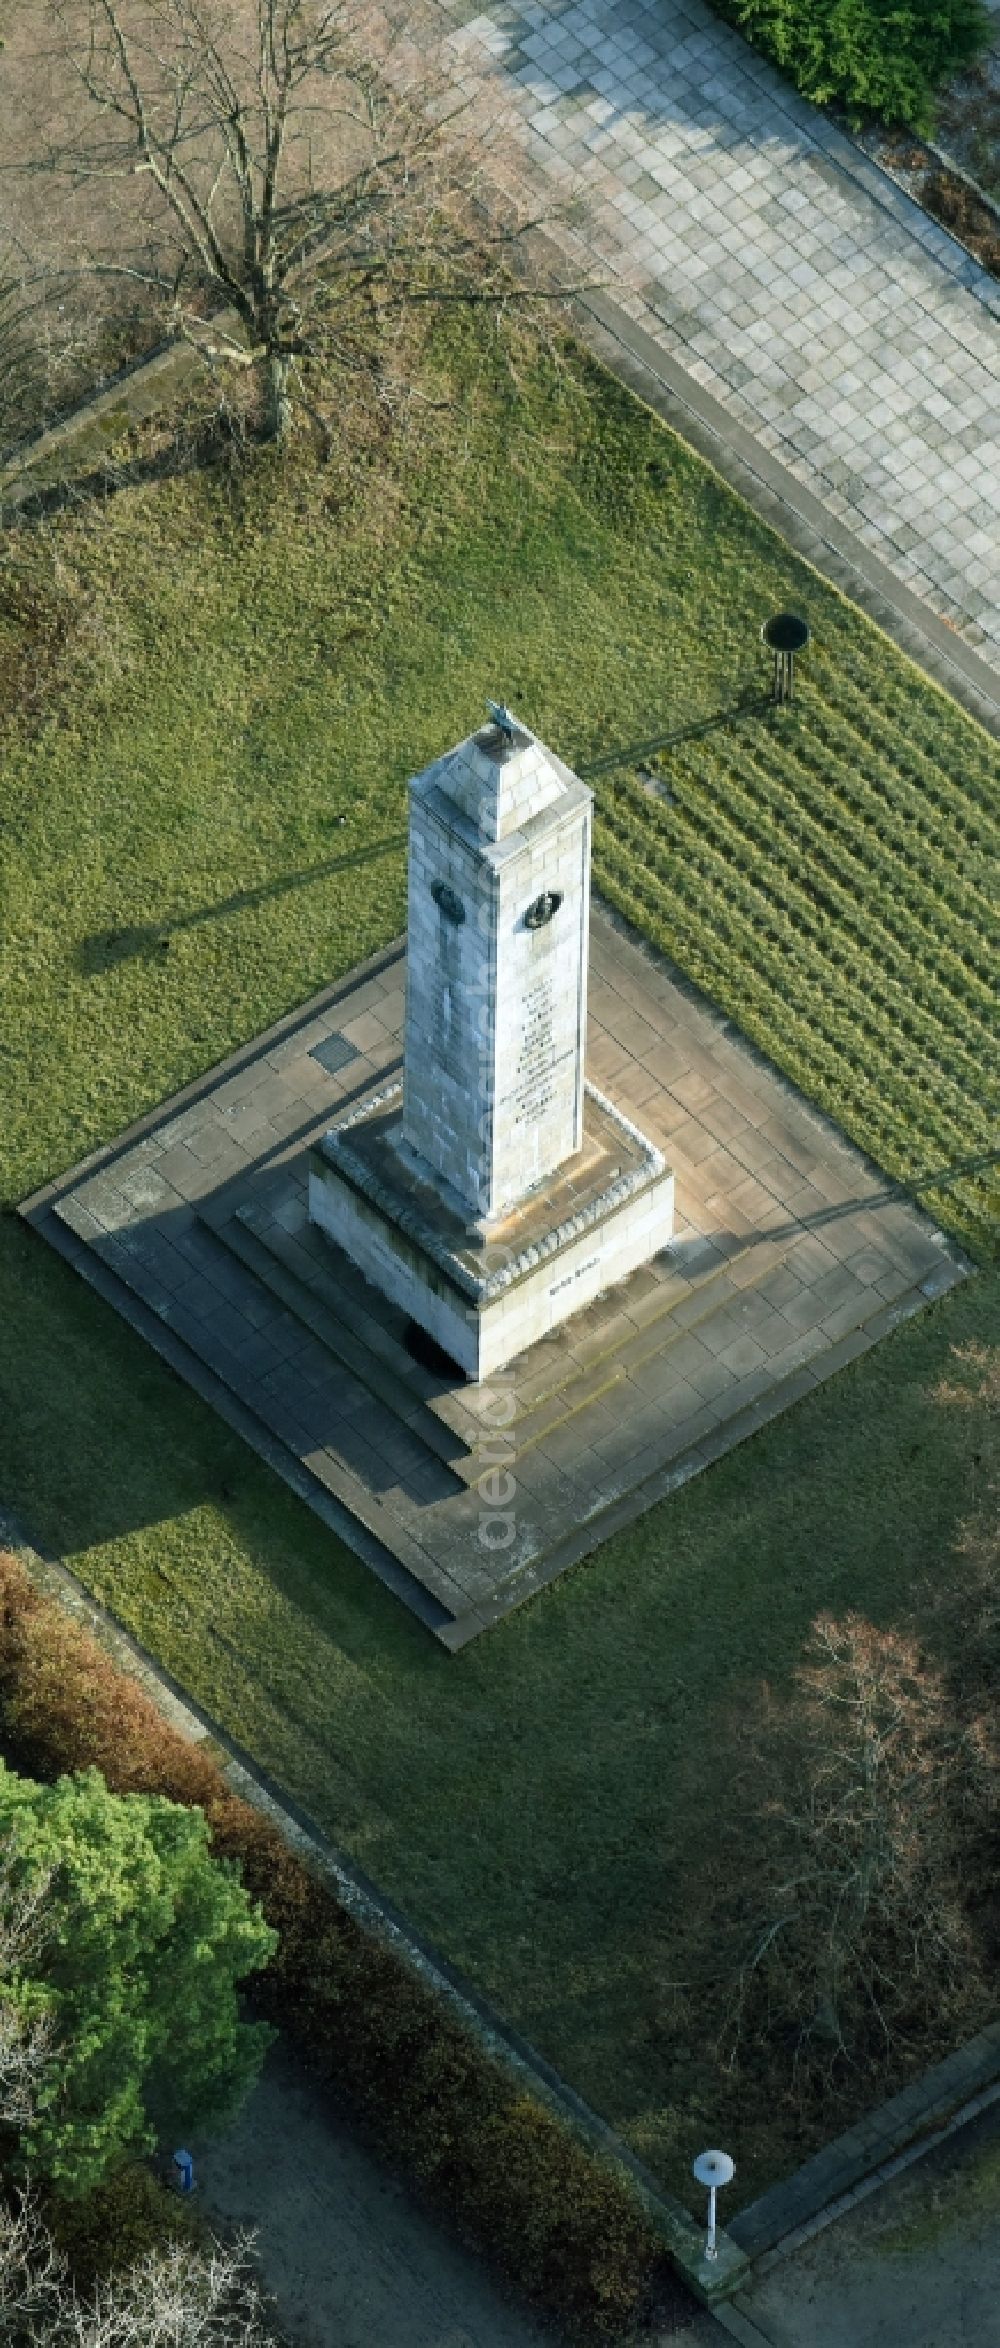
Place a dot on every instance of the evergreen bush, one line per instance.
(881, 58)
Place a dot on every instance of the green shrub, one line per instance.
(872, 57)
(515, 2181)
(144, 1937)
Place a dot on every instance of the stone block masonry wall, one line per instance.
(483, 1341)
(496, 1005)
(540, 1011)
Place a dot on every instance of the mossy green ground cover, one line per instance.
(203, 821)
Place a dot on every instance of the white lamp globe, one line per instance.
(714, 2168)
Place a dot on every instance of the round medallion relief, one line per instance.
(447, 902)
(541, 910)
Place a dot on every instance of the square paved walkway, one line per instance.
(825, 312)
(791, 1256)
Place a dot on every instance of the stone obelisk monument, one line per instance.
(496, 1004)
(494, 1192)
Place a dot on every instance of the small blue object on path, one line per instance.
(183, 2172)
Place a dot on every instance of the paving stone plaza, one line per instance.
(757, 245)
(789, 1257)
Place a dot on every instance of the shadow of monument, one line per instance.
(104, 949)
(306, 1396)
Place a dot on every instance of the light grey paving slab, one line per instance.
(756, 244)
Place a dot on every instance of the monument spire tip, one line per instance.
(504, 720)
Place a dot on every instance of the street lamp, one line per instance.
(786, 635)
(713, 2169)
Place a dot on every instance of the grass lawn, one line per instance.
(202, 818)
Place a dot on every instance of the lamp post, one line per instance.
(786, 634)
(713, 2169)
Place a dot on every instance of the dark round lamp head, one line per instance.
(785, 633)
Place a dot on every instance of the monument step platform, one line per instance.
(556, 1383)
(313, 1278)
(661, 1376)
(365, 1331)
(320, 1295)
(263, 1252)
(393, 1526)
(282, 1226)
(553, 1382)
(324, 1270)
(591, 1360)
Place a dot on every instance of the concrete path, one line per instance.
(351, 2261)
(759, 247)
(917, 2264)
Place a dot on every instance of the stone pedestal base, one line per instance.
(485, 1296)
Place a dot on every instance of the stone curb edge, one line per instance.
(889, 2139)
(133, 390)
(791, 509)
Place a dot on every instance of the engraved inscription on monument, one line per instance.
(534, 1087)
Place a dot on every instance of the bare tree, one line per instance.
(177, 2297)
(867, 1790)
(33, 2276)
(21, 367)
(298, 206)
(174, 2297)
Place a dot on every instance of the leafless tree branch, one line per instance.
(175, 2297)
(868, 1787)
(27, 2037)
(252, 217)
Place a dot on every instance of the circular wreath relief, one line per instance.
(542, 909)
(447, 902)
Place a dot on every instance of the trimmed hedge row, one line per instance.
(516, 2182)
